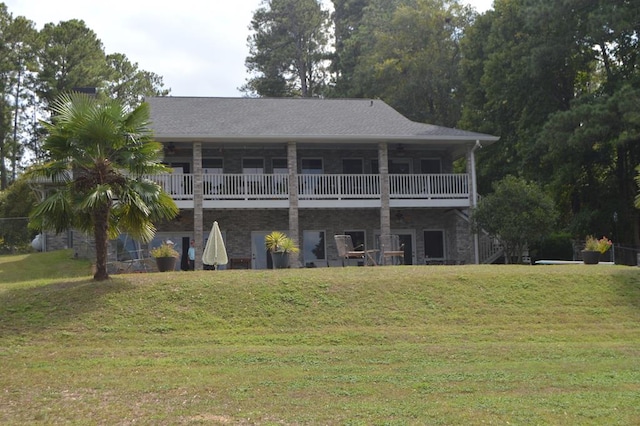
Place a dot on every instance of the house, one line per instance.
(314, 168)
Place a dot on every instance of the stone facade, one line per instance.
(238, 225)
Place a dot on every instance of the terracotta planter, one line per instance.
(590, 257)
(166, 263)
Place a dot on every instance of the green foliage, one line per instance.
(601, 245)
(35, 67)
(518, 213)
(16, 203)
(287, 49)
(130, 85)
(164, 250)
(76, 46)
(17, 200)
(347, 24)
(590, 153)
(100, 153)
(576, 131)
(553, 246)
(17, 66)
(408, 55)
(277, 241)
(426, 345)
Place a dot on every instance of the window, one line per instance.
(397, 166)
(314, 247)
(212, 166)
(252, 166)
(434, 244)
(279, 166)
(431, 166)
(358, 239)
(179, 167)
(312, 166)
(352, 166)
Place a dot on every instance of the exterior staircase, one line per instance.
(489, 248)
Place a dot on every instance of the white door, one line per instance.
(407, 240)
(258, 250)
(260, 258)
(177, 181)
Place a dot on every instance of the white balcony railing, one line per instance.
(316, 187)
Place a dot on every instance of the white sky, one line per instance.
(197, 46)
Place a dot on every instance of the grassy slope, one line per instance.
(392, 345)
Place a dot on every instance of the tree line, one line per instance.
(36, 66)
(558, 81)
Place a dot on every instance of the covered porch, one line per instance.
(318, 191)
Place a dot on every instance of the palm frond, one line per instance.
(54, 213)
(99, 196)
(109, 149)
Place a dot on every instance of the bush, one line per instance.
(556, 246)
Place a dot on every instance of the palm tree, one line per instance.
(99, 152)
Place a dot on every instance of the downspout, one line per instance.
(474, 196)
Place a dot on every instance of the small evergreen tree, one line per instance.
(517, 213)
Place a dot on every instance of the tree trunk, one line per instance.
(101, 223)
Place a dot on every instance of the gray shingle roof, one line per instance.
(184, 118)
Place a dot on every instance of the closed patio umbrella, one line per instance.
(214, 251)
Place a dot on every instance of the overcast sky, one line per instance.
(197, 46)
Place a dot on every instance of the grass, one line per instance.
(352, 346)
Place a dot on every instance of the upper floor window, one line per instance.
(431, 166)
(279, 166)
(212, 165)
(312, 166)
(253, 166)
(397, 166)
(352, 166)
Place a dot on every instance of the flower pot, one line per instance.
(166, 263)
(590, 257)
(280, 259)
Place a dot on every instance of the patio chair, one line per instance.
(347, 251)
(391, 251)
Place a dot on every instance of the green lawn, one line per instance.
(406, 345)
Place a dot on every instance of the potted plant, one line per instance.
(593, 248)
(279, 245)
(166, 256)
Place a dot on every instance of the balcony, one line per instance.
(319, 191)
